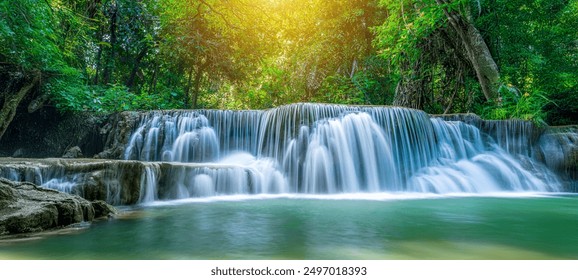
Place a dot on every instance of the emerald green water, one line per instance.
(309, 228)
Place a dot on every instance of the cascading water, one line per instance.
(466, 164)
(316, 148)
(303, 148)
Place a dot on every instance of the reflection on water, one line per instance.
(297, 228)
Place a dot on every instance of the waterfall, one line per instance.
(148, 183)
(319, 148)
(466, 164)
(308, 149)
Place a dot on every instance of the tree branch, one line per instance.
(221, 15)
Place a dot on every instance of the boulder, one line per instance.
(103, 209)
(73, 152)
(26, 208)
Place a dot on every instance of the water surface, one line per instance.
(325, 227)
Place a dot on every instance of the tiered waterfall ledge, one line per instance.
(129, 182)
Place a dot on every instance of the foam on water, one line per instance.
(382, 196)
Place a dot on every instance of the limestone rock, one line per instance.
(116, 132)
(118, 182)
(25, 208)
(103, 209)
(558, 149)
(18, 153)
(73, 152)
(49, 133)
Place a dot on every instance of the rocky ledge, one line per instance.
(26, 208)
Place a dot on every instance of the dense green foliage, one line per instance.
(113, 55)
(535, 43)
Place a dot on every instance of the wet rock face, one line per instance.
(116, 131)
(49, 133)
(116, 182)
(558, 148)
(26, 208)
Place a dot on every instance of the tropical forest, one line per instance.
(289, 129)
(498, 59)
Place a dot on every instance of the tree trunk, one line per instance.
(12, 101)
(197, 85)
(135, 67)
(478, 52)
(411, 90)
(153, 84)
(411, 93)
(187, 90)
(99, 54)
(109, 67)
(98, 61)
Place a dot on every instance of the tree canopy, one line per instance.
(498, 58)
